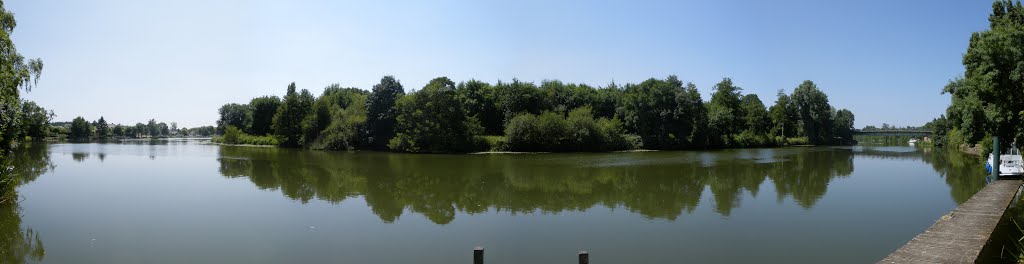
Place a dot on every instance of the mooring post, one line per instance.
(995, 157)
(584, 257)
(478, 255)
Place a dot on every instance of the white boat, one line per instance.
(912, 141)
(1011, 163)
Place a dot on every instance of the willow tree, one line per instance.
(16, 74)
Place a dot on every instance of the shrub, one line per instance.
(579, 131)
(231, 134)
(522, 133)
(493, 143)
(797, 141)
(234, 136)
(343, 132)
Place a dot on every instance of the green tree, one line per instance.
(986, 101)
(141, 129)
(35, 120)
(725, 110)
(545, 132)
(693, 116)
(164, 129)
(237, 115)
(480, 101)
(843, 127)
(15, 74)
(517, 97)
(102, 128)
(607, 101)
(287, 121)
(562, 98)
(381, 112)
(344, 131)
(434, 120)
(815, 112)
(784, 116)
(654, 111)
(263, 110)
(584, 132)
(756, 118)
(118, 130)
(153, 128)
(80, 129)
(334, 98)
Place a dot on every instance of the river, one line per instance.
(185, 201)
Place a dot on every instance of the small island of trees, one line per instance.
(445, 117)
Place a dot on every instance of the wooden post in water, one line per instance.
(995, 157)
(584, 257)
(478, 255)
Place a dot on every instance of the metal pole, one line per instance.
(584, 257)
(995, 157)
(478, 255)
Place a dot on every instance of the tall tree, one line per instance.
(287, 121)
(333, 99)
(79, 129)
(153, 128)
(381, 112)
(35, 120)
(118, 130)
(725, 109)
(607, 101)
(652, 110)
(756, 119)
(480, 100)
(164, 129)
(987, 99)
(843, 130)
(141, 129)
(784, 116)
(263, 110)
(518, 97)
(434, 120)
(237, 115)
(102, 128)
(815, 112)
(693, 116)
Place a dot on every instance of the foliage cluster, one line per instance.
(234, 135)
(446, 117)
(988, 100)
(80, 129)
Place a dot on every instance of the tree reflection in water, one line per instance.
(21, 244)
(659, 185)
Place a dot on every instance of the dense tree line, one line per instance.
(988, 100)
(80, 129)
(445, 116)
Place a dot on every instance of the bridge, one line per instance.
(889, 133)
(960, 236)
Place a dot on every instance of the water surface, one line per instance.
(181, 201)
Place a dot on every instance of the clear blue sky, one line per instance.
(180, 60)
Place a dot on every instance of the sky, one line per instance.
(179, 61)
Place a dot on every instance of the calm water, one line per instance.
(187, 202)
